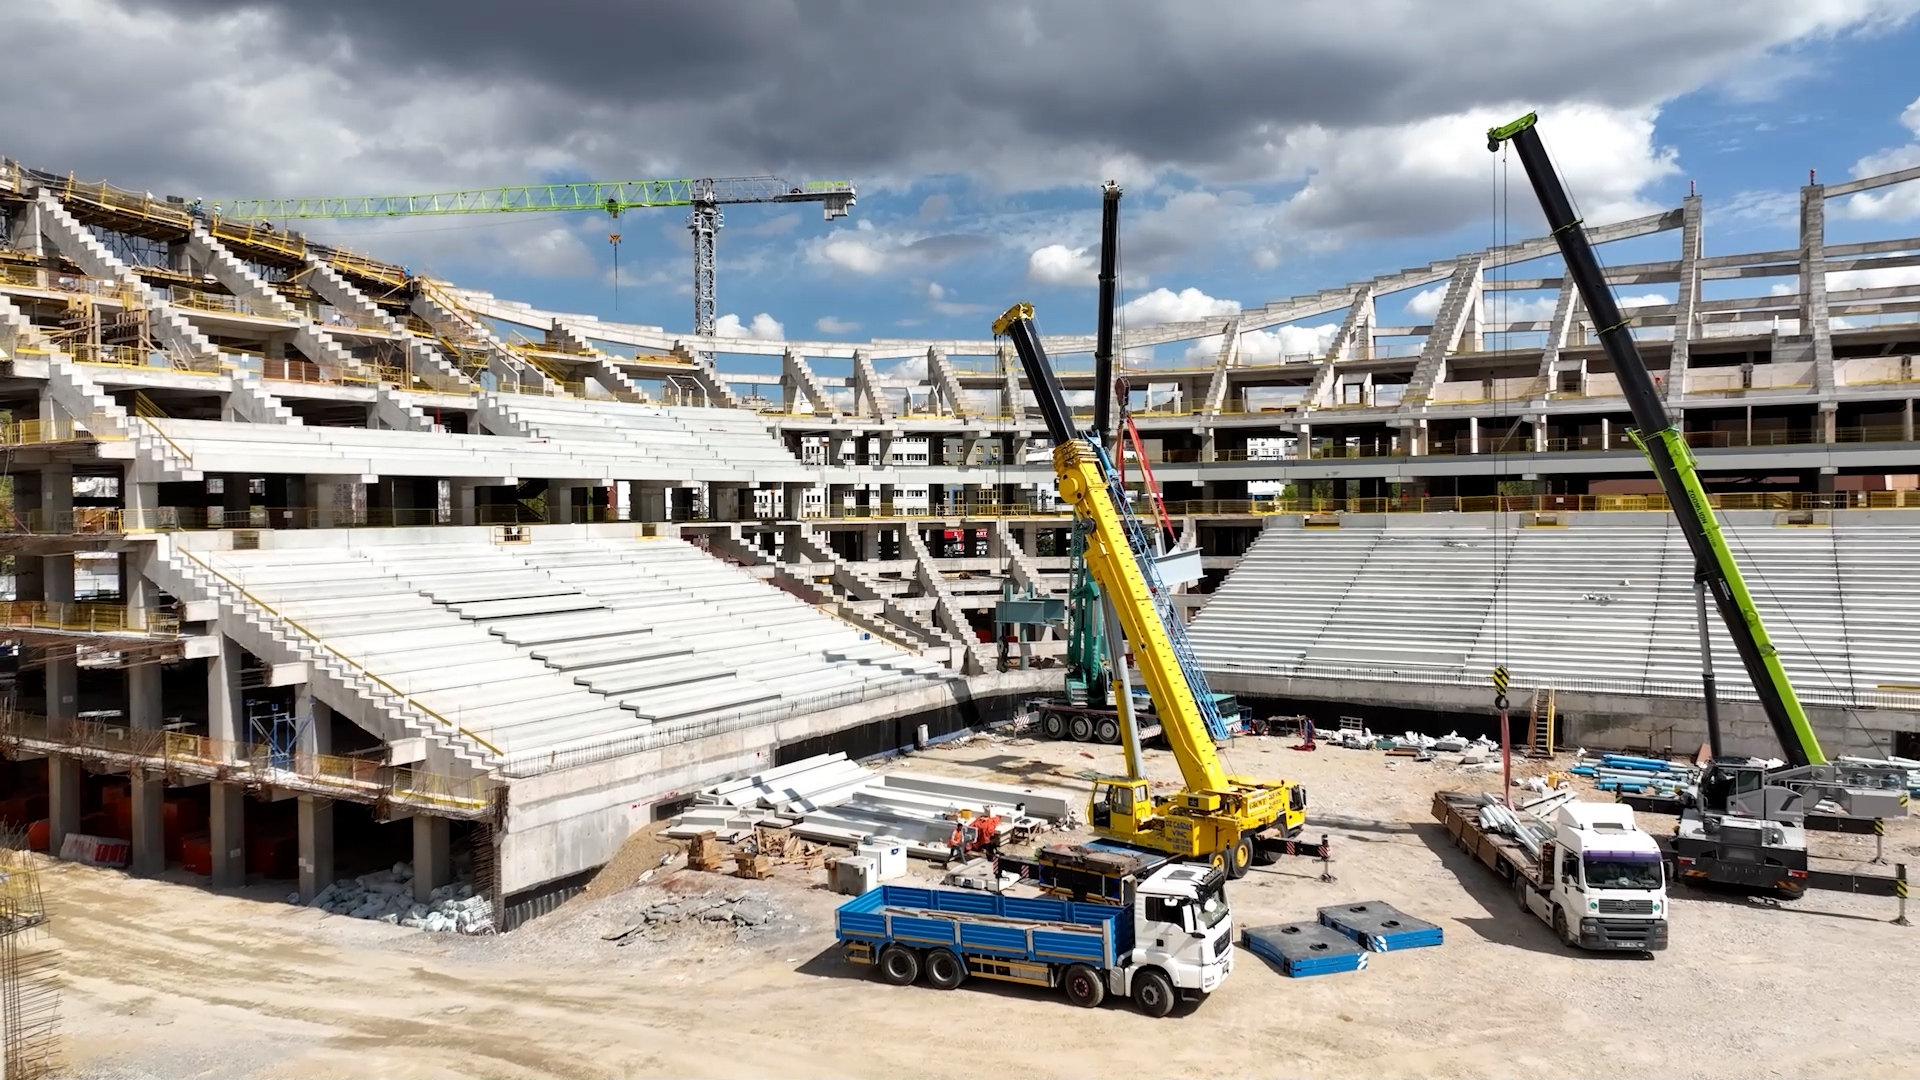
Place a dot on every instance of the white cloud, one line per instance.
(855, 255)
(935, 291)
(1433, 174)
(1163, 305)
(764, 327)
(1644, 300)
(1268, 346)
(828, 324)
(1899, 201)
(1426, 302)
(1058, 264)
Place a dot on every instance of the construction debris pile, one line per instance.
(829, 799)
(1639, 775)
(387, 896)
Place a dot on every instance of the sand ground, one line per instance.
(164, 979)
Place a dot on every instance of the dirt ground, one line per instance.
(171, 980)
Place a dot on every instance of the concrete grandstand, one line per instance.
(361, 562)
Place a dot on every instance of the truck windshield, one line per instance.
(1211, 908)
(1623, 871)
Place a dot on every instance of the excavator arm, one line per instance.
(1121, 560)
(1666, 447)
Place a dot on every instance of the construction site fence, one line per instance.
(351, 778)
(92, 618)
(1523, 683)
(112, 521)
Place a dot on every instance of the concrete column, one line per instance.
(1473, 434)
(1303, 446)
(464, 502)
(236, 499)
(56, 496)
(225, 723)
(559, 503)
(1906, 422)
(316, 845)
(149, 789)
(227, 824)
(1829, 417)
(431, 867)
(66, 782)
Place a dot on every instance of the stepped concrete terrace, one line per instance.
(1417, 611)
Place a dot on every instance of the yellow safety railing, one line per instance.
(249, 234)
(350, 777)
(126, 202)
(89, 618)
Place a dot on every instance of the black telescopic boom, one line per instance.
(1103, 339)
(1017, 324)
(1667, 450)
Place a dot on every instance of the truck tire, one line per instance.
(1053, 725)
(899, 965)
(945, 970)
(1107, 730)
(1520, 890)
(1080, 728)
(1153, 993)
(1264, 856)
(1560, 925)
(1240, 857)
(1084, 986)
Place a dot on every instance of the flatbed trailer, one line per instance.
(1583, 914)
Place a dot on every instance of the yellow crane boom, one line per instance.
(1216, 816)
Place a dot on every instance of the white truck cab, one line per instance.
(1607, 888)
(1182, 928)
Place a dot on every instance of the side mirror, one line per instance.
(1199, 933)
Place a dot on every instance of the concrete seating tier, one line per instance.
(568, 644)
(1608, 604)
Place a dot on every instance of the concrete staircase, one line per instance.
(839, 597)
(1025, 574)
(386, 713)
(1216, 397)
(796, 379)
(228, 270)
(335, 289)
(1448, 323)
(707, 375)
(947, 380)
(78, 243)
(948, 615)
(867, 398)
(451, 322)
(253, 403)
(93, 408)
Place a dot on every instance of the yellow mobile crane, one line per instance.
(1216, 817)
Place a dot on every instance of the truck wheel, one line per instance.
(1240, 857)
(1052, 726)
(899, 965)
(1152, 993)
(1107, 731)
(1560, 924)
(1520, 890)
(1264, 856)
(945, 971)
(1080, 728)
(1085, 987)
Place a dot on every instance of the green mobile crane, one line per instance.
(1747, 825)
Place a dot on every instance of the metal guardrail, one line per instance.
(89, 618)
(356, 779)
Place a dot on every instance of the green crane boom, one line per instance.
(706, 197)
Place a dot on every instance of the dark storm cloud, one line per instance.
(882, 86)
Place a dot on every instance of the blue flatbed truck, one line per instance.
(1173, 941)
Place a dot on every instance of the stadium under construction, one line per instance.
(318, 565)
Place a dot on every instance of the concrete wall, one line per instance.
(1594, 721)
(569, 820)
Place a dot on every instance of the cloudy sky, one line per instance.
(1267, 149)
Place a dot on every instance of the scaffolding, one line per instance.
(29, 997)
